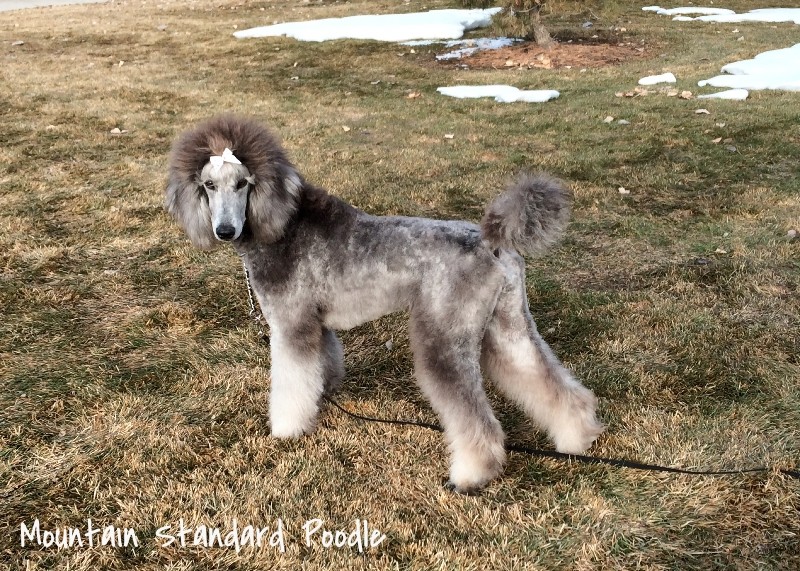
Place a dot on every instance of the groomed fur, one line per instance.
(275, 194)
(318, 265)
(529, 216)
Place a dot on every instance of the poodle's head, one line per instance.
(229, 179)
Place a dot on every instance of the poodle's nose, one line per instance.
(225, 232)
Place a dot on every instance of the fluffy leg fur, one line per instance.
(302, 361)
(332, 361)
(524, 368)
(446, 347)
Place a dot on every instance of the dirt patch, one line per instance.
(559, 55)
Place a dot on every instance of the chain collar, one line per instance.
(255, 314)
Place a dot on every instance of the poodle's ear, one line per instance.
(272, 203)
(186, 202)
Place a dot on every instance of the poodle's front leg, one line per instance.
(298, 379)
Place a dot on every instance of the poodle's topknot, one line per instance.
(252, 143)
(529, 216)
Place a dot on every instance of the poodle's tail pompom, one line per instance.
(529, 216)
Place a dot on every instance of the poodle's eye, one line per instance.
(242, 184)
(208, 185)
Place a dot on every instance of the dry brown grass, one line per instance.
(134, 391)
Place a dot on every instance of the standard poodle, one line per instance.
(318, 264)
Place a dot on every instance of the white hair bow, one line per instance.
(227, 157)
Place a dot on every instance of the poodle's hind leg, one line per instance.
(447, 367)
(525, 369)
(332, 361)
(304, 358)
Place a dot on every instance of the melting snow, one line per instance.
(653, 79)
(7, 5)
(723, 15)
(760, 15)
(683, 11)
(431, 25)
(738, 94)
(775, 69)
(472, 46)
(501, 93)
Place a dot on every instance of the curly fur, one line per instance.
(529, 216)
(271, 202)
(318, 265)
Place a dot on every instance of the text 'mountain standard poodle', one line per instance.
(318, 264)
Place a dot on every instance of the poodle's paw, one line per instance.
(471, 491)
(287, 429)
(579, 426)
(580, 439)
(332, 384)
(292, 415)
(472, 469)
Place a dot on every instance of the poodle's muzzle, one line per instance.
(227, 189)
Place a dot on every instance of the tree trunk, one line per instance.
(526, 17)
(540, 34)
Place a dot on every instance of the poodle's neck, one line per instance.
(319, 218)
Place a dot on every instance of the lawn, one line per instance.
(134, 389)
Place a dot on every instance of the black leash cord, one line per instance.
(534, 451)
(573, 457)
(429, 426)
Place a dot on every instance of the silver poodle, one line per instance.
(318, 265)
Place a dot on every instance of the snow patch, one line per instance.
(8, 5)
(431, 25)
(692, 10)
(723, 15)
(736, 94)
(654, 79)
(472, 46)
(501, 93)
(415, 43)
(773, 15)
(774, 69)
